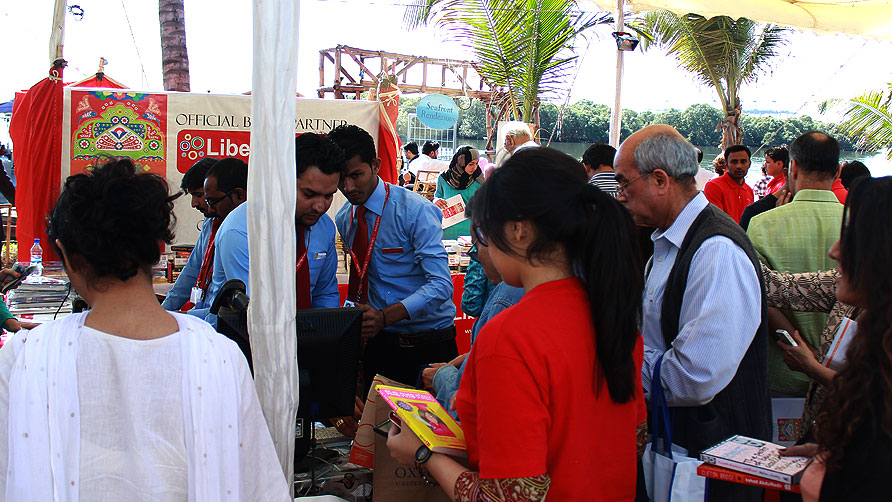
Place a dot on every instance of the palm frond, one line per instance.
(868, 119)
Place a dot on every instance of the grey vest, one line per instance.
(744, 406)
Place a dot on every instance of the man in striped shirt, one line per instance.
(598, 163)
(703, 301)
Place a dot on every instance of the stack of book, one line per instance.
(40, 295)
(176, 260)
(745, 460)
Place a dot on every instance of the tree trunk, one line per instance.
(732, 134)
(174, 57)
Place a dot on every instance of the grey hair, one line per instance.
(668, 152)
(516, 128)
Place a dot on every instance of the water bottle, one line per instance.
(37, 257)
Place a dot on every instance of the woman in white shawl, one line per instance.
(127, 401)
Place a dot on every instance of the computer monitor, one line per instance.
(328, 350)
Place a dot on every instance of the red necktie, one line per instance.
(360, 247)
(304, 298)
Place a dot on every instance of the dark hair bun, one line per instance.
(114, 219)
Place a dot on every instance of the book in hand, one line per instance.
(428, 420)
(723, 474)
(757, 457)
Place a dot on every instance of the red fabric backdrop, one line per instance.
(36, 132)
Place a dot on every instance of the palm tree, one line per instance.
(868, 119)
(721, 52)
(174, 57)
(522, 46)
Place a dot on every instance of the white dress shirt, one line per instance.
(720, 313)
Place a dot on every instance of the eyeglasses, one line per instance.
(472, 254)
(213, 202)
(622, 186)
(479, 235)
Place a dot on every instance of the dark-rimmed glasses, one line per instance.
(213, 202)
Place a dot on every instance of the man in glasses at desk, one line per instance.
(225, 189)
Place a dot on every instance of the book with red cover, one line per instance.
(720, 473)
(756, 457)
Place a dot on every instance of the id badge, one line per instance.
(348, 304)
(196, 295)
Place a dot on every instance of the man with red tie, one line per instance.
(399, 271)
(319, 166)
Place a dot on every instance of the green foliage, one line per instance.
(868, 118)
(522, 46)
(587, 122)
(721, 52)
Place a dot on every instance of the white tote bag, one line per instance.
(669, 474)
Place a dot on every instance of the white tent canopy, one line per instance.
(868, 18)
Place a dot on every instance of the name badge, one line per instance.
(196, 295)
(348, 304)
(320, 255)
(392, 250)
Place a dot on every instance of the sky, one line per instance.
(811, 68)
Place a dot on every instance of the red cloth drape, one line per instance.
(36, 132)
(388, 141)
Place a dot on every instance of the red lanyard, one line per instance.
(207, 263)
(303, 257)
(368, 254)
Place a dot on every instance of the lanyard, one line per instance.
(303, 257)
(361, 272)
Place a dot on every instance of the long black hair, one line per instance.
(859, 400)
(549, 189)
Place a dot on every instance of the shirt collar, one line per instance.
(815, 196)
(679, 228)
(375, 202)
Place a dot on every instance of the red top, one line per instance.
(728, 195)
(776, 184)
(528, 404)
(839, 191)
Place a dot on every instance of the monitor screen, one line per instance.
(328, 350)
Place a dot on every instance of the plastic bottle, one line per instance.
(37, 257)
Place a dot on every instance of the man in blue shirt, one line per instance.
(225, 189)
(189, 291)
(399, 269)
(320, 164)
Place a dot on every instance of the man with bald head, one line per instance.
(703, 301)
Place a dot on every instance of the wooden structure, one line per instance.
(7, 232)
(359, 70)
(426, 183)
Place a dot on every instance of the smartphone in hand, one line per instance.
(784, 336)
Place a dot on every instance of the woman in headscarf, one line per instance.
(463, 178)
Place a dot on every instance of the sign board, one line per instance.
(437, 111)
(165, 133)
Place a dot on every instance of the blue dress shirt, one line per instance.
(323, 258)
(409, 264)
(231, 258)
(182, 289)
(448, 378)
(719, 315)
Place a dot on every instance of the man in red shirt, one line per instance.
(730, 192)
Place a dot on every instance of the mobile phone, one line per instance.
(784, 336)
(11, 283)
(384, 427)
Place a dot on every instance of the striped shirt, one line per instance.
(719, 315)
(606, 181)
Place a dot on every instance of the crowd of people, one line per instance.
(575, 315)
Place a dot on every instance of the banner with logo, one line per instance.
(166, 133)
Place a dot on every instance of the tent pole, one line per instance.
(57, 36)
(616, 112)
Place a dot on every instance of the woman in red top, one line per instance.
(551, 396)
